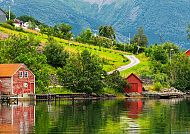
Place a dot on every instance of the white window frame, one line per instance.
(20, 74)
(25, 74)
(25, 85)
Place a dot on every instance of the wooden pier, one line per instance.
(71, 96)
(8, 99)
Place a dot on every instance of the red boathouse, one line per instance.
(135, 84)
(16, 79)
(187, 52)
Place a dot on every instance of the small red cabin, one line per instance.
(187, 52)
(135, 84)
(16, 79)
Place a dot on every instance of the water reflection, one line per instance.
(97, 117)
(17, 118)
(134, 107)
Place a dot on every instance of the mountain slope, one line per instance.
(162, 20)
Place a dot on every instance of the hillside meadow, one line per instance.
(112, 58)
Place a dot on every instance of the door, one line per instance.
(134, 87)
(1, 86)
(32, 87)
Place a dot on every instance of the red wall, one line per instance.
(6, 85)
(188, 53)
(1, 86)
(18, 83)
(135, 83)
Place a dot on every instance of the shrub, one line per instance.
(157, 86)
(5, 25)
(19, 29)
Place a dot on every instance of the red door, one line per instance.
(134, 87)
(32, 87)
(1, 86)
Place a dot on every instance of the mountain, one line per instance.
(163, 20)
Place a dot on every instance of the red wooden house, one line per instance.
(16, 79)
(135, 84)
(187, 52)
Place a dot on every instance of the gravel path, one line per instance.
(134, 62)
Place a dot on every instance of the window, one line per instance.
(20, 74)
(25, 85)
(25, 74)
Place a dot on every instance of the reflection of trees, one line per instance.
(110, 116)
(84, 117)
(165, 116)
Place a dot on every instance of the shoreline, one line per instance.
(93, 96)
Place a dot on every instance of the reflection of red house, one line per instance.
(134, 108)
(135, 84)
(17, 119)
(16, 79)
(187, 52)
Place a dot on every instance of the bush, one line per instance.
(19, 29)
(5, 25)
(55, 53)
(10, 22)
(126, 60)
(157, 86)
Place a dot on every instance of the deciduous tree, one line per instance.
(55, 53)
(83, 73)
(140, 38)
(107, 31)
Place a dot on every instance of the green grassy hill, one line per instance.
(112, 58)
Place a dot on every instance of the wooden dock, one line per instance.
(71, 96)
(9, 99)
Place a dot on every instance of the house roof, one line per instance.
(8, 70)
(135, 77)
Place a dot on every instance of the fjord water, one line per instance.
(97, 117)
